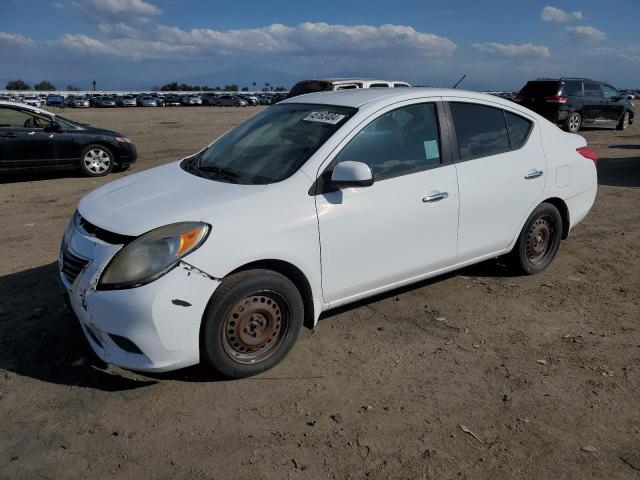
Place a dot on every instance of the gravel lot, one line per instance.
(543, 371)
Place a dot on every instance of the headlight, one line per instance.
(152, 255)
(122, 140)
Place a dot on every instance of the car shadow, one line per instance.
(626, 147)
(619, 172)
(40, 337)
(37, 175)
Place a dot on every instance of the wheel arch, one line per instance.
(564, 214)
(294, 274)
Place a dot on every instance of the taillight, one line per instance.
(589, 153)
(518, 98)
(556, 99)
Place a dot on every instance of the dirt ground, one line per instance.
(538, 369)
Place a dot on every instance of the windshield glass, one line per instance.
(271, 145)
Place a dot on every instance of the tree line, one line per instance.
(46, 85)
(184, 87)
(43, 86)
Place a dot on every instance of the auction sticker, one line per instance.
(324, 117)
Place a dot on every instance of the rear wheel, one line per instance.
(251, 323)
(96, 161)
(539, 240)
(624, 121)
(574, 122)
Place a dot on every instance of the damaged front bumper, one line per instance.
(155, 327)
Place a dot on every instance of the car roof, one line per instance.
(358, 97)
(4, 103)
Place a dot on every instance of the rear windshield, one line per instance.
(309, 86)
(270, 146)
(541, 88)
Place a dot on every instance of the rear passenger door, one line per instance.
(501, 175)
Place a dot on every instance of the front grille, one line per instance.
(72, 265)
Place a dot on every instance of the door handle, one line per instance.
(436, 197)
(533, 174)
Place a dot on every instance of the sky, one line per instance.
(138, 44)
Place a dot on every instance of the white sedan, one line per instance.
(313, 203)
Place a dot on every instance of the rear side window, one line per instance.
(481, 130)
(541, 88)
(378, 85)
(572, 88)
(518, 128)
(592, 89)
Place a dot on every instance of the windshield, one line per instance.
(272, 145)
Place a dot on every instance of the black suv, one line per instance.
(574, 102)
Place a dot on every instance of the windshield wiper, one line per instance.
(221, 171)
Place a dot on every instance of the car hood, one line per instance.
(163, 195)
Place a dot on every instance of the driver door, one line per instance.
(23, 140)
(405, 225)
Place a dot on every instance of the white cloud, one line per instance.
(320, 38)
(553, 14)
(627, 54)
(128, 11)
(315, 41)
(15, 39)
(587, 33)
(509, 50)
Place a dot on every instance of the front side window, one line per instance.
(272, 145)
(16, 118)
(481, 130)
(609, 92)
(592, 89)
(402, 141)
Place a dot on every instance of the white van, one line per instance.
(332, 84)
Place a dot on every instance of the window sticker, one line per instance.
(431, 149)
(324, 117)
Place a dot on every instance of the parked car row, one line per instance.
(153, 99)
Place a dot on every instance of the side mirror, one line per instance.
(351, 174)
(54, 127)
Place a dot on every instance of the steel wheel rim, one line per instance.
(540, 239)
(574, 122)
(97, 160)
(255, 327)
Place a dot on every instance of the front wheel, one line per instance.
(539, 240)
(251, 323)
(574, 122)
(96, 161)
(624, 121)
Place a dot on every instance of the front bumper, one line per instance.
(127, 153)
(159, 322)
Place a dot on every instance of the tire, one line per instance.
(251, 323)
(236, 104)
(219, 104)
(624, 121)
(539, 240)
(574, 122)
(96, 161)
